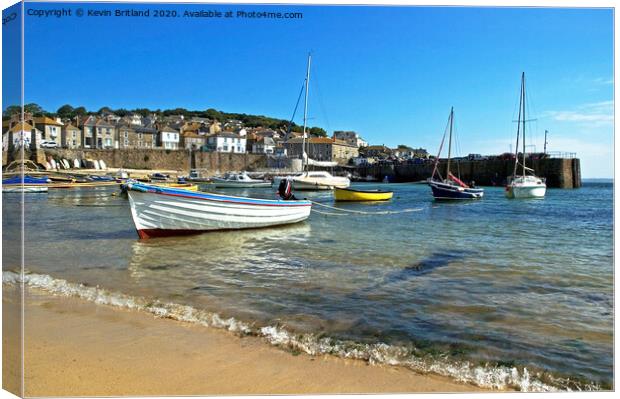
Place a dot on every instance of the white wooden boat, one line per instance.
(161, 211)
(318, 180)
(524, 185)
(238, 180)
(24, 189)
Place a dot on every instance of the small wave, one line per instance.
(485, 376)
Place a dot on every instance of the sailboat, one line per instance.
(312, 180)
(524, 185)
(450, 188)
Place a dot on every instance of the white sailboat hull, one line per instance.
(312, 183)
(173, 212)
(531, 187)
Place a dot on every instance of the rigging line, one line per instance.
(320, 96)
(533, 111)
(290, 123)
(435, 168)
(364, 212)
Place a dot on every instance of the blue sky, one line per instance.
(389, 73)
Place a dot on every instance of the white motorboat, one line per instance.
(317, 180)
(524, 185)
(161, 211)
(238, 180)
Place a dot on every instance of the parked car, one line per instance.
(49, 144)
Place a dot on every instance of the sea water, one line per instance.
(501, 293)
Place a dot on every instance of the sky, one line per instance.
(389, 73)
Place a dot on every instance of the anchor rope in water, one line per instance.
(328, 213)
(366, 212)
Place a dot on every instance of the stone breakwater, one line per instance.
(158, 159)
(559, 172)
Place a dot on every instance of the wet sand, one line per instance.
(77, 348)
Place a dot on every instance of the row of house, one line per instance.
(109, 131)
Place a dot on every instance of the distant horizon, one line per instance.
(389, 73)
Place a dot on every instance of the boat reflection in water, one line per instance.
(234, 248)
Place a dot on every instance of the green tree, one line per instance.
(317, 131)
(66, 111)
(121, 112)
(34, 109)
(214, 114)
(142, 111)
(80, 111)
(11, 110)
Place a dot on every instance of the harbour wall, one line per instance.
(158, 159)
(559, 172)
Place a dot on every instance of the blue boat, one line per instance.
(27, 180)
(450, 188)
(101, 178)
(450, 191)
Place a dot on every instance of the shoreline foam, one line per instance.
(489, 377)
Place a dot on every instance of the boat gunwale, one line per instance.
(199, 195)
(378, 191)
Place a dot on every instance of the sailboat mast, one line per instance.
(303, 143)
(514, 171)
(450, 143)
(523, 88)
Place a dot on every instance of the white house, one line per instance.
(351, 137)
(169, 138)
(226, 142)
(24, 133)
(135, 119)
(264, 145)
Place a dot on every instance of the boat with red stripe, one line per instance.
(163, 211)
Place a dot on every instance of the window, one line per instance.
(126, 134)
(74, 135)
(225, 147)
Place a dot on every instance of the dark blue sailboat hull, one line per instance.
(443, 191)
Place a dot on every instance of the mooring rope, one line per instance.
(328, 213)
(365, 212)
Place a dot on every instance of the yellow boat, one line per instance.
(348, 194)
(184, 186)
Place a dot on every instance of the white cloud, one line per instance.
(599, 113)
(603, 81)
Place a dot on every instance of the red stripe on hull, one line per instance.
(154, 233)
